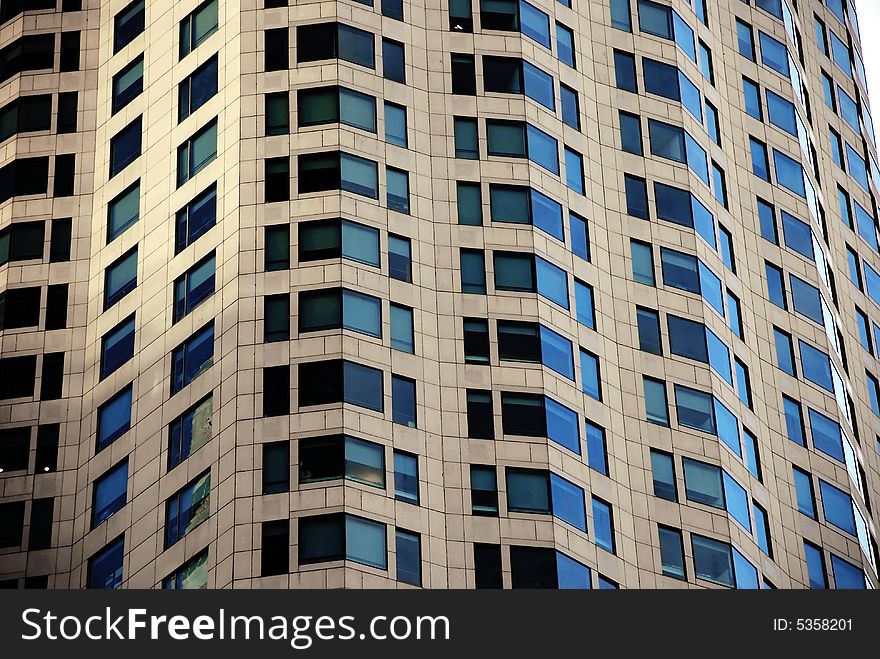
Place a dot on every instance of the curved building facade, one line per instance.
(442, 294)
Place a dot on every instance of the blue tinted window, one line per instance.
(774, 54)
(762, 529)
(568, 502)
(745, 40)
(803, 484)
(798, 235)
(580, 239)
(562, 425)
(191, 358)
(667, 141)
(745, 574)
(857, 167)
(760, 164)
(728, 427)
(848, 109)
(815, 566)
(543, 149)
(603, 525)
(539, 86)
(597, 453)
(838, 508)
(794, 422)
(655, 19)
(753, 457)
(712, 560)
(592, 385)
(556, 353)
(816, 366)
(565, 45)
(736, 501)
(866, 226)
(826, 435)
(784, 352)
(752, 95)
(110, 493)
(583, 301)
(621, 18)
(570, 574)
(534, 23)
(846, 575)
(117, 346)
(775, 285)
(552, 282)
(630, 133)
(656, 405)
(806, 299)
(105, 567)
(840, 54)
(684, 37)
(114, 418)
(679, 270)
(546, 214)
(696, 159)
(574, 170)
(781, 113)
(719, 356)
(694, 409)
(789, 173)
(710, 288)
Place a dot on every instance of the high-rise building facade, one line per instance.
(442, 293)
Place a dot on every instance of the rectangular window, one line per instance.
(277, 247)
(480, 416)
(275, 552)
(393, 61)
(194, 219)
(109, 493)
(402, 334)
(198, 26)
(322, 41)
(341, 456)
(276, 312)
(276, 467)
(342, 537)
(120, 278)
(128, 84)
(197, 89)
(191, 358)
(117, 346)
(105, 567)
(671, 553)
(406, 477)
(642, 263)
(806, 500)
(277, 179)
(190, 431)
(277, 113)
(276, 44)
(818, 578)
(597, 451)
(324, 105)
(187, 509)
(409, 553)
(123, 211)
(630, 133)
(656, 405)
(663, 475)
(603, 525)
(395, 124)
(403, 401)
(197, 152)
(397, 190)
(128, 24)
(194, 286)
(341, 381)
(484, 491)
(125, 147)
(399, 258)
(114, 418)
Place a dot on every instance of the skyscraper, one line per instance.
(451, 294)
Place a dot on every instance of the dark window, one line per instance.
(276, 390)
(19, 376)
(110, 493)
(15, 446)
(197, 152)
(120, 278)
(341, 456)
(636, 190)
(47, 448)
(409, 557)
(663, 475)
(393, 62)
(519, 341)
(24, 176)
(277, 179)
(523, 414)
(487, 566)
(336, 381)
(128, 24)
(533, 567)
(196, 218)
(334, 308)
(28, 53)
(275, 554)
(625, 71)
(476, 341)
(473, 271)
(25, 115)
(117, 346)
(480, 417)
(484, 490)
(123, 211)
(649, 330)
(20, 307)
(190, 431)
(570, 107)
(65, 171)
(277, 113)
(393, 9)
(52, 376)
(197, 88)
(128, 84)
(59, 246)
(198, 26)
(56, 306)
(335, 170)
(42, 513)
(342, 537)
(464, 74)
(105, 567)
(194, 286)
(22, 241)
(323, 41)
(192, 357)
(460, 16)
(67, 112)
(114, 418)
(276, 314)
(277, 248)
(276, 467)
(11, 523)
(125, 147)
(69, 60)
(277, 49)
